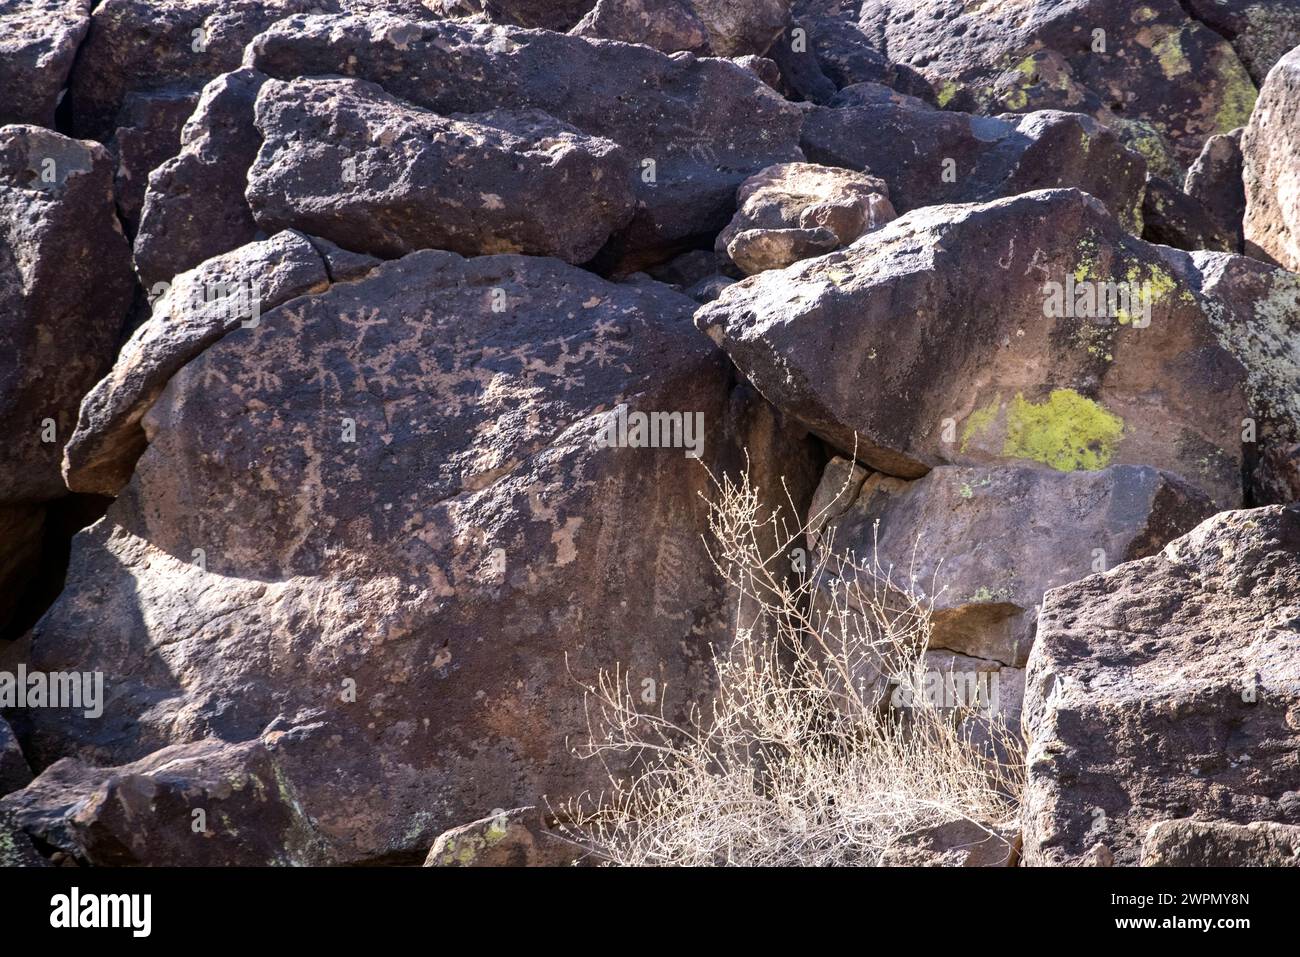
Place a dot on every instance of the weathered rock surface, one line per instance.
(956, 844)
(204, 804)
(1221, 844)
(929, 156)
(148, 134)
(696, 128)
(387, 502)
(1170, 217)
(804, 202)
(344, 160)
(1167, 688)
(986, 543)
(14, 772)
(65, 286)
(706, 27)
(1159, 67)
(38, 41)
(1261, 31)
(1269, 149)
(194, 207)
(201, 306)
(1215, 180)
(16, 848)
(514, 838)
(972, 370)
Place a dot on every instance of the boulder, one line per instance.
(983, 363)
(203, 804)
(14, 772)
(16, 848)
(202, 305)
(985, 543)
(1215, 180)
(929, 156)
(791, 211)
(38, 42)
(1167, 688)
(1170, 217)
(1269, 148)
(516, 838)
(958, 843)
(344, 160)
(1221, 844)
(706, 27)
(148, 134)
(194, 207)
(694, 128)
(420, 503)
(65, 287)
(1261, 31)
(1112, 59)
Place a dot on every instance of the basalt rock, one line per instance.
(1114, 60)
(65, 286)
(1167, 688)
(344, 160)
(148, 134)
(202, 305)
(695, 128)
(1191, 843)
(14, 772)
(38, 42)
(389, 502)
(706, 27)
(986, 543)
(1261, 31)
(1215, 179)
(1171, 217)
(516, 838)
(1269, 149)
(929, 156)
(194, 207)
(982, 363)
(794, 210)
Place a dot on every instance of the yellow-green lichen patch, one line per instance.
(1168, 51)
(979, 421)
(947, 90)
(1238, 93)
(1066, 431)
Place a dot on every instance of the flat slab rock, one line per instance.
(1167, 688)
(971, 371)
(344, 160)
(388, 502)
(1221, 844)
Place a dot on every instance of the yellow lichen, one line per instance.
(1066, 431)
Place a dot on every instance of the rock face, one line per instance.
(929, 156)
(148, 134)
(195, 208)
(981, 366)
(806, 208)
(65, 286)
(1170, 217)
(1269, 148)
(706, 27)
(14, 772)
(695, 128)
(986, 543)
(1221, 844)
(388, 502)
(1261, 31)
(205, 804)
(1215, 180)
(515, 838)
(1167, 688)
(38, 41)
(1150, 63)
(344, 160)
(202, 305)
